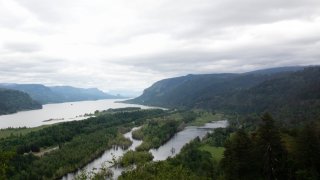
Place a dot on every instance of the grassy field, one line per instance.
(216, 152)
(206, 117)
(19, 131)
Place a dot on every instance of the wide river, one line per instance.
(59, 112)
(71, 111)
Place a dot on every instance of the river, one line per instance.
(59, 112)
(71, 111)
(183, 137)
(162, 153)
(107, 156)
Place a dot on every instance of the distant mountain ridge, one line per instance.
(58, 94)
(12, 101)
(288, 91)
(278, 70)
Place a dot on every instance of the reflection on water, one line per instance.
(174, 145)
(59, 112)
(107, 157)
(162, 153)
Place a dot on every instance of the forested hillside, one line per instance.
(287, 94)
(58, 94)
(12, 101)
(265, 153)
(69, 93)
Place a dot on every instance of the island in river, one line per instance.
(80, 142)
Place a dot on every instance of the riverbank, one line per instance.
(107, 159)
(129, 159)
(4, 133)
(79, 143)
(83, 142)
(65, 111)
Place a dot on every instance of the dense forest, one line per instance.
(156, 132)
(188, 91)
(73, 145)
(290, 96)
(12, 101)
(256, 145)
(273, 132)
(268, 152)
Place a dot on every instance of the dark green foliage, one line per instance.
(259, 154)
(103, 173)
(135, 158)
(249, 154)
(12, 101)
(5, 158)
(156, 132)
(191, 163)
(273, 154)
(126, 109)
(189, 91)
(218, 137)
(270, 150)
(307, 152)
(292, 97)
(188, 116)
(200, 162)
(79, 142)
(159, 171)
(238, 161)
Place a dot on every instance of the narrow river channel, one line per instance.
(162, 153)
(108, 155)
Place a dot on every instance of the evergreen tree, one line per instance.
(308, 153)
(238, 162)
(270, 151)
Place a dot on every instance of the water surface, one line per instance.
(107, 157)
(61, 112)
(175, 144)
(162, 153)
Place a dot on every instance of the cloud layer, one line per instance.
(126, 45)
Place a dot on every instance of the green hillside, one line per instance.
(287, 94)
(12, 101)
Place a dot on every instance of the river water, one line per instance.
(71, 111)
(60, 112)
(183, 137)
(107, 157)
(162, 153)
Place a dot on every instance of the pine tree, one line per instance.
(238, 162)
(270, 150)
(308, 153)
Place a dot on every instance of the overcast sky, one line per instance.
(126, 45)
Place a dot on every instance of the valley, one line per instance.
(107, 139)
(159, 90)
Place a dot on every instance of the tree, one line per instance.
(4, 163)
(308, 153)
(238, 162)
(270, 151)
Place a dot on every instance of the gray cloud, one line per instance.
(127, 45)
(21, 47)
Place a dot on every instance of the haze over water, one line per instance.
(67, 111)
